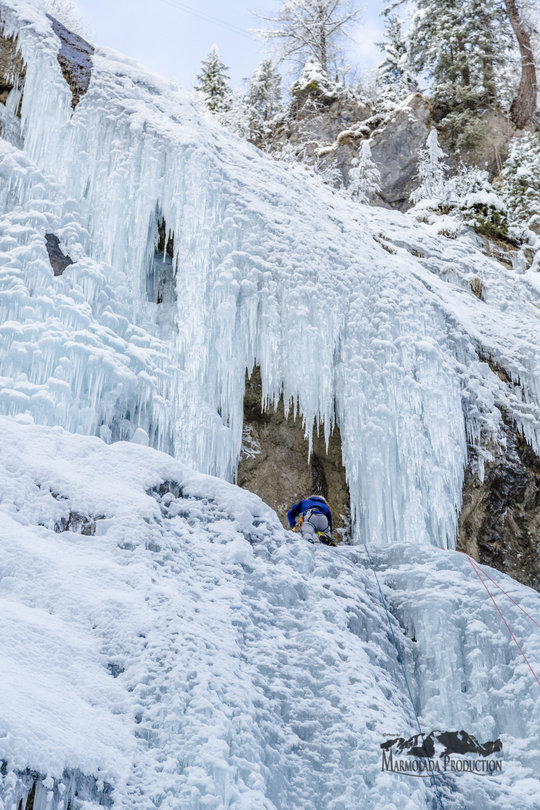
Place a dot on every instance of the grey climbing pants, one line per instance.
(316, 522)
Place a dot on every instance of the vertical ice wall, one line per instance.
(69, 351)
(274, 270)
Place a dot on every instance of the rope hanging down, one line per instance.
(485, 573)
(477, 571)
(383, 600)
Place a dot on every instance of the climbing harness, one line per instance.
(324, 538)
(400, 659)
(477, 570)
(313, 511)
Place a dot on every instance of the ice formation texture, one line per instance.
(355, 314)
(187, 652)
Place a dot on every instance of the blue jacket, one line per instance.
(304, 506)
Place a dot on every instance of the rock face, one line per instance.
(275, 463)
(499, 524)
(75, 59)
(11, 67)
(59, 261)
(500, 520)
(320, 119)
(329, 133)
(395, 146)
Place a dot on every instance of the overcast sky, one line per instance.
(171, 37)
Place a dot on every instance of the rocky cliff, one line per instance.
(276, 463)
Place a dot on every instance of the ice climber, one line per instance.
(313, 519)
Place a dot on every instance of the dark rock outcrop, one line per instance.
(59, 261)
(75, 59)
(395, 148)
(275, 462)
(499, 522)
(78, 524)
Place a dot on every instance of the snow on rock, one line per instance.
(188, 652)
(270, 269)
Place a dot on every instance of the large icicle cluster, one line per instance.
(165, 643)
(70, 353)
(271, 269)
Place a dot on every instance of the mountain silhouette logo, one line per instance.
(441, 744)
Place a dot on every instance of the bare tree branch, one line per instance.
(310, 28)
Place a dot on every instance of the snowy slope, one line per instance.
(357, 315)
(184, 651)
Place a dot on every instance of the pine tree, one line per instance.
(235, 114)
(464, 46)
(213, 80)
(364, 176)
(521, 174)
(263, 102)
(311, 29)
(478, 203)
(432, 171)
(396, 76)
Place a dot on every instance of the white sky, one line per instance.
(171, 37)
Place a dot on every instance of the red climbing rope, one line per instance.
(476, 571)
(506, 594)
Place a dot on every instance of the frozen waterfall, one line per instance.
(164, 642)
(358, 316)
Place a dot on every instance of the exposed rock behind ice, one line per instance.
(59, 261)
(277, 466)
(395, 147)
(11, 65)
(499, 522)
(75, 59)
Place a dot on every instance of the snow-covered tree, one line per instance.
(432, 173)
(464, 47)
(313, 81)
(396, 77)
(478, 203)
(213, 82)
(310, 28)
(521, 175)
(364, 176)
(235, 114)
(263, 101)
(468, 198)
